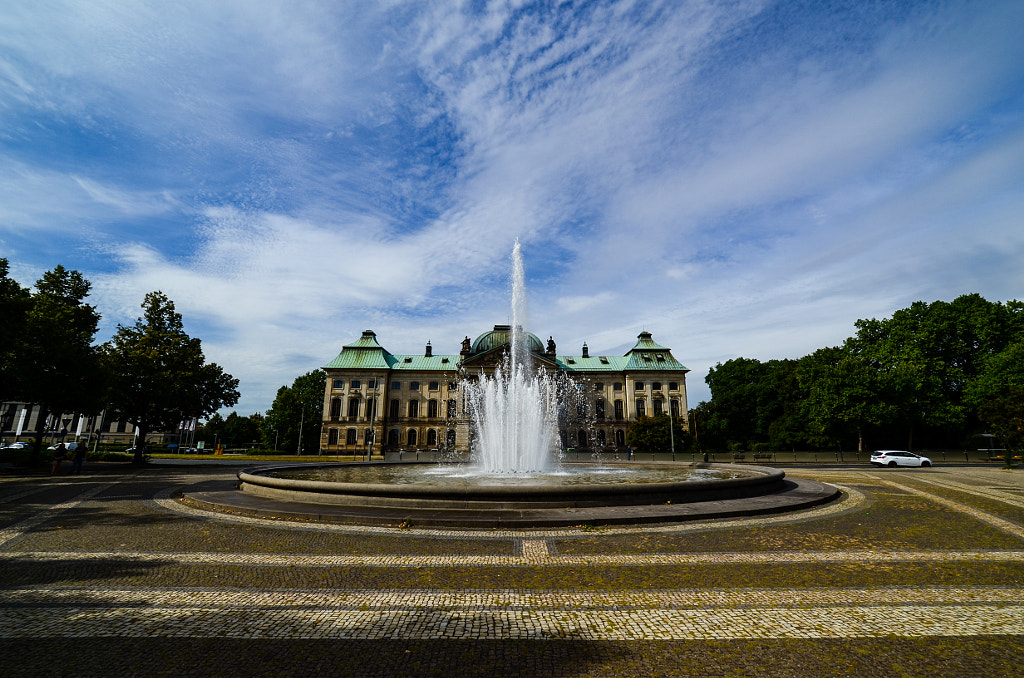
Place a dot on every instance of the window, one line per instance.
(620, 437)
(598, 386)
(434, 386)
(599, 408)
(617, 386)
(453, 386)
(641, 408)
(339, 383)
(656, 386)
(432, 438)
(367, 436)
(451, 407)
(371, 408)
(411, 438)
(355, 383)
(450, 438)
(638, 386)
(674, 404)
(335, 408)
(432, 409)
(353, 407)
(414, 385)
(393, 438)
(619, 410)
(658, 407)
(393, 409)
(371, 384)
(332, 437)
(581, 410)
(414, 409)
(600, 437)
(396, 386)
(581, 438)
(673, 386)
(350, 437)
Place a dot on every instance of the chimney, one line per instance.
(586, 351)
(430, 351)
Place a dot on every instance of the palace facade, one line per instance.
(377, 401)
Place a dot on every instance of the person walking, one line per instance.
(59, 455)
(76, 462)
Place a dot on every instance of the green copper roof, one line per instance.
(437, 363)
(501, 335)
(364, 353)
(647, 354)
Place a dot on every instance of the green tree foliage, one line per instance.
(947, 369)
(652, 434)
(15, 302)
(159, 374)
(299, 406)
(50, 359)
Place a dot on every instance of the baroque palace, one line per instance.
(414, 402)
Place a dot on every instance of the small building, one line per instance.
(414, 402)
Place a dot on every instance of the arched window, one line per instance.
(353, 407)
(450, 438)
(620, 437)
(581, 438)
(411, 438)
(393, 409)
(350, 437)
(641, 408)
(431, 438)
(619, 410)
(335, 408)
(393, 438)
(432, 409)
(367, 436)
(414, 409)
(332, 437)
(600, 437)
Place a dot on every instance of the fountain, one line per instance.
(514, 412)
(514, 478)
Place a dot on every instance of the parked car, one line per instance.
(898, 458)
(20, 445)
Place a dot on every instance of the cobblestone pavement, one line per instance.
(913, 572)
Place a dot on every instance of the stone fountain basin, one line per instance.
(755, 481)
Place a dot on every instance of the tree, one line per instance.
(651, 434)
(52, 362)
(160, 375)
(15, 302)
(999, 395)
(295, 407)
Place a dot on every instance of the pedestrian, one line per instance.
(59, 455)
(629, 452)
(76, 462)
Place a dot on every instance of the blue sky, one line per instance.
(739, 178)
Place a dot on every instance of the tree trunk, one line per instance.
(860, 439)
(910, 439)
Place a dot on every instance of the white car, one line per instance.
(898, 458)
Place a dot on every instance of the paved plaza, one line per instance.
(916, 572)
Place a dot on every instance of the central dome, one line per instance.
(501, 335)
